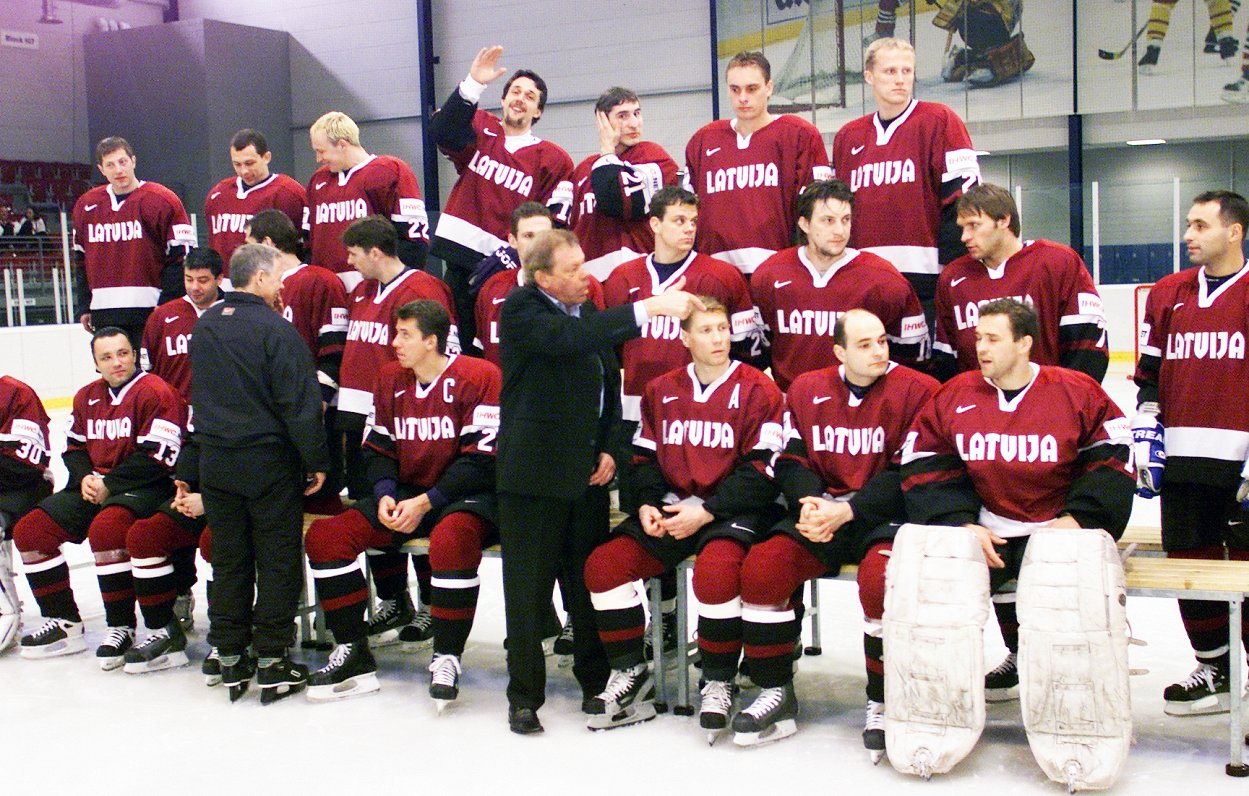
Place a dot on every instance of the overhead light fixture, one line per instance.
(49, 14)
(1146, 141)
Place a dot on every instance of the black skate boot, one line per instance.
(769, 718)
(164, 649)
(351, 671)
(279, 678)
(389, 618)
(237, 672)
(629, 698)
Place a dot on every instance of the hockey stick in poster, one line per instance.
(1107, 55)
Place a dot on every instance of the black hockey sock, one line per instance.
(873, 656)
(720, 645)
(154, 588)
(1008, 622)
(390, 573)
(184, 568)
(420, 565)
(117, 589)
(452, 606)
(50, 585)
(768, 637)
(343, 593)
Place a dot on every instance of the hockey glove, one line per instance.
(1149, 454)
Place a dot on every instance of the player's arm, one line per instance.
(331, 336)
(174, 230)
(1082, 337)
(750, 487)
(472, 471)
(956, 161)
(646, 479)
(944, 356)
(380, 453)
(908, 330)
(935, 483)
(792, 469)
(297, 396)
(451, 126)
(624, 190)
(762, 295)
(159, 419)
(27, 439)
(811, 163)
(1101, 494)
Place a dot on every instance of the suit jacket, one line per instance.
(555, 368)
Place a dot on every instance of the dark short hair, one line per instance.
(249, 137)
(530, 210)
(250, 258)
(277, 227)
(616, 95)
(1023, 320)
(204, 258)
(839, 326)
(712, 304)
(990, 200)
(373, 232)
(108, 331)
(668, 196)
(431, 318)
(542, 253)
(108, 146)
(537, 81)
(754, 58)
(1233, 209)
(816, 192)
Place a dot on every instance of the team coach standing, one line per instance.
(258, 427)
(560, 401)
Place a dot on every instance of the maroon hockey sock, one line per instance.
(333, 546)
(107, 535)
(872, 598)
(38, 538)
(771, 573)
(618, 611)
(717, 587)
(454, 555)
(155, 544)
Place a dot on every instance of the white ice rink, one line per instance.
(67, 727)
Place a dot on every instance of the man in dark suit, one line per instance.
(560, 401)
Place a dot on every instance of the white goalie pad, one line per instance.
(10, 606)
(936, 605)
(1073, 657)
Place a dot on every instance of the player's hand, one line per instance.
(820, 518)
(684, 520)
(485, 68)
(85, 320)
(385, 511)
(650, 518)
(409, 513)
(1149, 454)
(93, 489)
(674, 302)
(1065, 521)
(314, 482)
(987, 540)
(608, 134)
(604, 472)
(192, 505)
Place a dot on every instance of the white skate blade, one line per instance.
(351, 687)
(876, 756)
(778, 731)
(442, 704)
(171, 660)
(636, 713)
(713, 736)
(1215, 703)
(384, 639)
(415, 646)
(66, 646)
(111, 663)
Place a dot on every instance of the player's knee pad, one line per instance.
(615, 563)
(206, 545)
(718, 572)
(769, 572)
(871, 580)
(1073, 656)
(936, 604)
(155, 537)
(38, 533)
(107, 531)
(455, 542)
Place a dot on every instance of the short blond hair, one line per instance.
(337, 126)
(890, 43)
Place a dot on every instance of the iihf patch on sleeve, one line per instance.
(227, 311)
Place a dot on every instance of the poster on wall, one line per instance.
(988, 59)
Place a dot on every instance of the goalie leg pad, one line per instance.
(936, 605)
(10, 605)
(1073, 657)
(1006, 62)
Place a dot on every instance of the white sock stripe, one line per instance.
(43, 565)
(1004, 597)
(729, 610)
(873, 628)
(152, 572)
(616, 599)
(455, 583)
(354, 566)
(762, 615)
(112, 569)
(148, 562)
(1206, 656)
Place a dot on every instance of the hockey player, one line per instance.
(500, 163)
(233, 201)
(748, 170)
(908, 154)
(1219, 37)
(430, 460)
(844, 427)
(1192, 448)
(708, 432)
(132, 235)
(123, 439)
(1237, 92)
(1047, 276)
(1014, 447)
(350, 185)
(801, 291)
(993, 53)
(167, 334)
(25, 480)
(611, 190)
(886, 21)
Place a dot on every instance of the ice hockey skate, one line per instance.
(281, 679)
(351, 671)
(111, 654)
(1002, 684)
(771, 717)
(164, 649)
(564, 645)
(53, 638)
(1237, 93)
(628, 699)
(444, 680)
(1206, 690)
(874, 730)
(211, 668)
(184, 610)
(717, 704)
(389, 618)
(236, 674)
(1148, 64)
(418, 633)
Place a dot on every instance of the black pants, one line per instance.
(253, 499)
(543, 538)
(456, 276)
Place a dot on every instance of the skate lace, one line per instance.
(422, 620)
(767, 701)
(620, 682)
(338, 656)
(154, 639)
(717, 697)
(116, 637)
(385, 610)
(444, 669)
(213, 654)
(46, 630)
(874, 718)
(1007, 666)
(1203, 675)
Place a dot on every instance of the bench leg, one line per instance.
(813, 616)
(683, 706)
(657, 646)
(1236, 766)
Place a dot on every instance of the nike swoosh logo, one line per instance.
(1177, 306)
(359, 299)
(174, 318)
(779, 285)
(741, 528)
(581, 181)
(215, 194)
(961, 409)
(490, 133)
(670, 398)
(857, 149)
(498, 301)
(821, 399)
(93, 402)
(319, 185)
(634, 289)
(712, 151)
(89, 208)
(954, 282)
(401, 392)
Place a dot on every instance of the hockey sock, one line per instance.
(872, 598)
(668, 592)
(610, 573)
(206, 546)
(1007, 619)
(390, 573)
(38, 538)
(1221, 17)
(424, 571)
(333, 546)
(1205, 621)
(772, 574)
(886, 17)
(107, 535)
(717, 587)
(1159, 20)
(454, 555)
(157, 546)
(183, 560)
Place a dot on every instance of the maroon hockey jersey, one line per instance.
(904, 166)
(380, 185)
(799, 307)
(846, 440)
(659, 348)
(125, 244)
(699, 434)
(1047, 276)
(1024, 456)
(498, 173)
(1192, 343)
(231, 204)
(610, 198)
(426, 426)
(314, 300)
(145, 414)
(166, 343)
(747, 185)
(23, 428)
(371, 330)
(489, 307)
